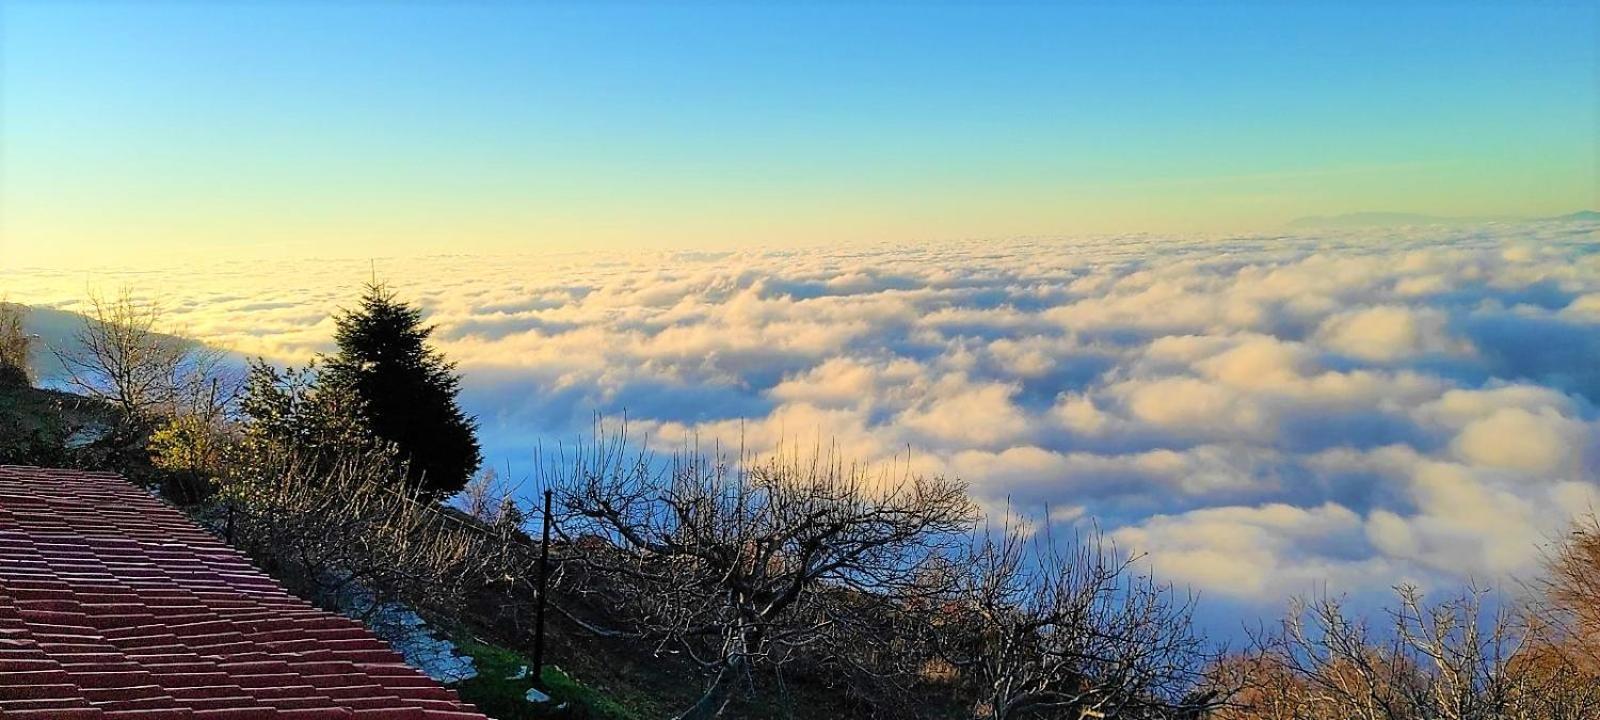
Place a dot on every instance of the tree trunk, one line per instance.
(717, 696)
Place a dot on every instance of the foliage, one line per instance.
(15, 346)
(52, 428)
(288, 411)
(34, 427)
(407, 391)
(190, 451)
(189, 443)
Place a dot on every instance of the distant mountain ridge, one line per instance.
(51, 328)
(55, 329)
(1382, 219)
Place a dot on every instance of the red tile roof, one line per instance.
(115, 606)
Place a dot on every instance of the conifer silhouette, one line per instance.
(407, 390)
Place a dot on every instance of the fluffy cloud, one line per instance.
(1254, 415)
(1249, 552)
(1390, 332)
(1542, 444)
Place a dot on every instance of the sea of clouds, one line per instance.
(1259, 415)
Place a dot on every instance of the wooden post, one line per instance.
(538, 618)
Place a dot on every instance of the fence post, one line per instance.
(538, 618)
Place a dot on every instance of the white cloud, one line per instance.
(1391, 332)
(1192, 407)
(1260, 362)
(1255, 413)
(1251, 552)
(1584, 307)
(960, 412)
(1541, 443)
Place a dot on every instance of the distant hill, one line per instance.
(1389, 219)
(57, 330)
(1366, 219)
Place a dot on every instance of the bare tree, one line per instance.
(1459, 659)
(1567, 602)
(490, 500)
(1264, 690)
(122, 354)
(746, 562)
(1072, 631)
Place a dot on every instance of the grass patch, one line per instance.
(501, 695)
(597, 705)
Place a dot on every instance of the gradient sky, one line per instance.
(141, 130)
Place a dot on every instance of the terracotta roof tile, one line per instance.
(114, 606)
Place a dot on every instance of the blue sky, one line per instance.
(150, 127)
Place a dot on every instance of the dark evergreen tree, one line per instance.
(407, 391)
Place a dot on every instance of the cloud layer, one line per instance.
(1256, 414)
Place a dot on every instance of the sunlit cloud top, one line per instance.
(1260, 415)
(143, 130)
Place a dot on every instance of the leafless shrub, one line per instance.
(339, 533)
(744, 562)
(1043, 629)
